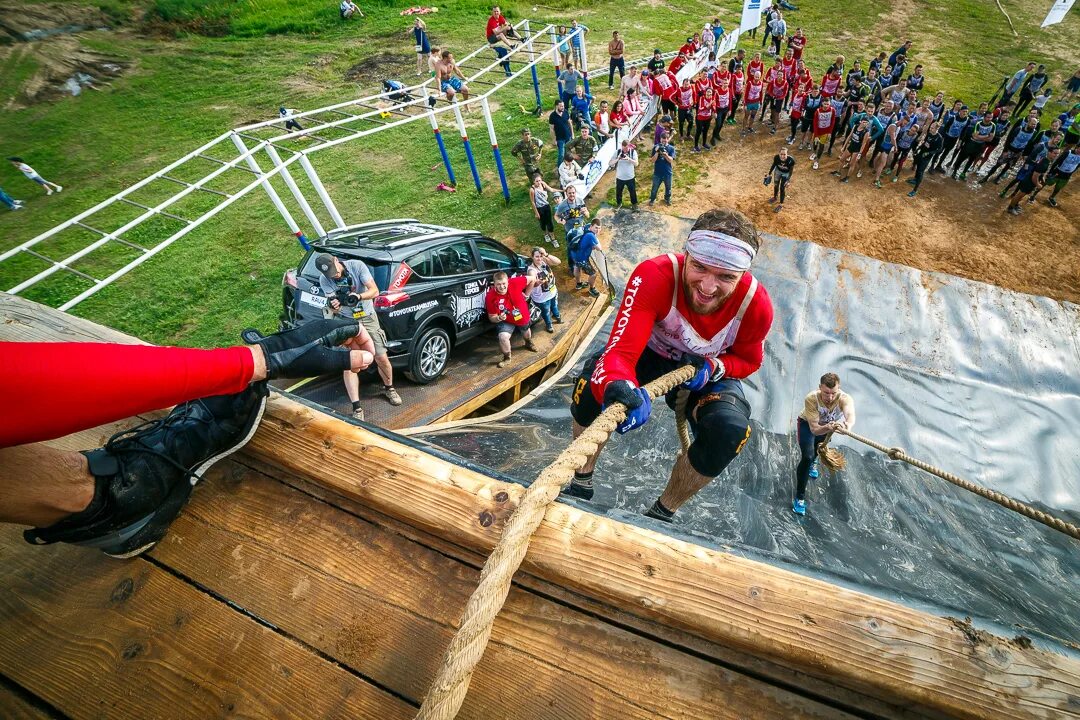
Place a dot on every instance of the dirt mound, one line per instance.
(379, 67)
(27, 23)
(63, 68)
(43, 35)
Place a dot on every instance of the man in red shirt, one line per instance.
(678, 62)
(498, 29)
(700, 307)
(665, 85)
(507, 308)
(797, 42)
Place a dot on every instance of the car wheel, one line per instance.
(430, 355)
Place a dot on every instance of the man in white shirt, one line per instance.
(626, 174)
(825, 410)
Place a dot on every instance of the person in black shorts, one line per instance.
(1032, 177)
(783, 165)
(924, 155)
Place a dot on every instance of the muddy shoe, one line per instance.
(392, 395)
(504, 362)
(530, 346)
(358, 414)
(659, 512)
(594, 292)
(143, 476)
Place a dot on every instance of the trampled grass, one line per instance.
(187, 88)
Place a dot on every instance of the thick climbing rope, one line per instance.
(1004, 500)
(467, 646)
(680, 418)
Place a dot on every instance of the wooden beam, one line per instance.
(75, 625)
(387, 606)
(870, 645)
(14, 705)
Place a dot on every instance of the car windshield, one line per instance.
(379, 270)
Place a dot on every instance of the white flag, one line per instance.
(751, 14)
(1057, 12)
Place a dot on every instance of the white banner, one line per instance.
(751, 14)
(1057, 12)
(728, 43)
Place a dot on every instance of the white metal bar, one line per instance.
(295, 190)
(486, 107)
(323, 195)
(105, 203)
(241, 147)
(144, 207)
(169, 241)
(149, 213)
(554, 46)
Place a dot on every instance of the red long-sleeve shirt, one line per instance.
(647, 301)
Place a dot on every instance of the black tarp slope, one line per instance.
(975, 379)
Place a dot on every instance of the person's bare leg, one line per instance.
(591, 462)
(683, 484)
(504, 343)
(386, 371)
(40, 485)
(352, 385)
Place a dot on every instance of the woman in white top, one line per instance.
(825, 410)
(568, 171)
(545, 294)
(32, 174)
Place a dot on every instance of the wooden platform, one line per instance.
(322, 574)
(471, 380)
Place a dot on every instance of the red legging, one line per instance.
(54, 389)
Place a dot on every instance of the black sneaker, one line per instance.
(143, 476)
(307, 351)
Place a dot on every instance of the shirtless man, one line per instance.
(450, 78)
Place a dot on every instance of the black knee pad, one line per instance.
(722, 431)
(583, 406)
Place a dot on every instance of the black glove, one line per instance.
(637, 401)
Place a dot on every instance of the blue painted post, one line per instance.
(536, 90)
(495, 149)
(303, 240)
(586, 76)
(442, 146)
(468, 147)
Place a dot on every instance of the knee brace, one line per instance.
(722, 431)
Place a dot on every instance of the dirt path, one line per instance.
(951, 227)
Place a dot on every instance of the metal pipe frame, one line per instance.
(313, 176)
(442, 147)
(294, 189)
(241, 147)
(468, 147)
(486, 107)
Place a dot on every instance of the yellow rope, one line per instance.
(467, 646)
(1004, 500)
(680, 418)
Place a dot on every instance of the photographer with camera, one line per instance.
(626, 174)
(663, 168)
(349, 289)
(545, 294)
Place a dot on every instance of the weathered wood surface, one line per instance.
(873, 646)
(877, 647)
(95, 637)
(14, 707)
(387, 606)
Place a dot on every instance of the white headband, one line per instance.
(720, 250)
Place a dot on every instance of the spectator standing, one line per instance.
(563, 47)
(529, 150)
(778, 31)
(616, 47)
(568, 82)
(717, 31)
(626, 162)
(580, 108)
(770, 16)
(561, 129)
(32, 175)
(1013, 84)
(572, 213)
(783, 165)
(578, 41)
(581, 254)
(601, 123)
(507, 309)
(630, 81)
(423, 45)
(545, 294)
(348, 8)
(287, 114)
(541, 195)
(656, 62)
(663, 154)
(928, 149)
(350, 290)
(13, 204)
(568, 171)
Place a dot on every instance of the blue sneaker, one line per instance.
(814, 472)
(798, 507)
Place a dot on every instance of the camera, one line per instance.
(347, 298)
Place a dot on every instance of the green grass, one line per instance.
(187, 88)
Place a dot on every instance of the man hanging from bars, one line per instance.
(701, 307)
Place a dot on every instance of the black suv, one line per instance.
(432, 280)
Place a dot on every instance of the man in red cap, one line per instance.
(700, 307)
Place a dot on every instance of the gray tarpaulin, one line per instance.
(970, 377)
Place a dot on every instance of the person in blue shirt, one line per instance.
(578, 41)
(580, 251)
(580, 107)
(663, 154)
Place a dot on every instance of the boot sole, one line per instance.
(157, 523)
